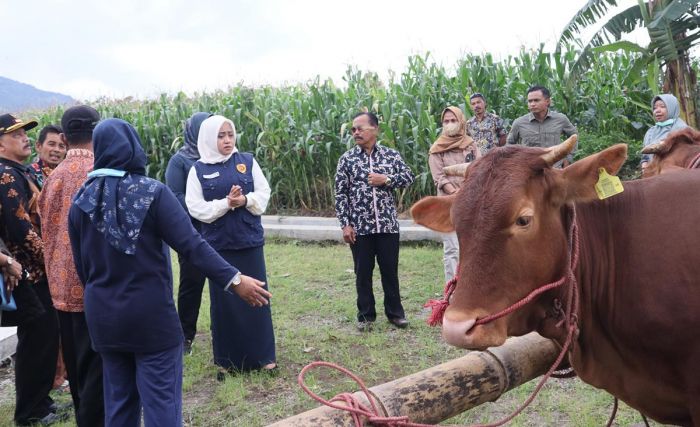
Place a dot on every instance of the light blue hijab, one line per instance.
(660, 130)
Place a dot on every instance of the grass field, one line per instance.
(314, 317)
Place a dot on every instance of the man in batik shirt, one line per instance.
(51, 150)
(83, 364)
(486, 129)
(35, 318)
(365, 180)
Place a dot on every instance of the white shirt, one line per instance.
(210, 211)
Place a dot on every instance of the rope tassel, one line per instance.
(439, 306)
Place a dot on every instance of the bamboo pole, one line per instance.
(446, 390)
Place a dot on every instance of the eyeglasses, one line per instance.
(360, 129)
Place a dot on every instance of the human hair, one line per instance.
(371, 117)
(544, 90)
(78, 138)
(46, 131)
(477, 95)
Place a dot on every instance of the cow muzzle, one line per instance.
(463, 333)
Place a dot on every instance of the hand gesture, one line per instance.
(235, 197)
(252, 291)
(376, 179)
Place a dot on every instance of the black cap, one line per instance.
(79, 121)
(10, 123)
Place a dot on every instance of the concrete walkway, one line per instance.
(318, 229)
(292, 227)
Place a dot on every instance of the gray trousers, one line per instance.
(450, 257)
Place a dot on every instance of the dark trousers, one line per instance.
(84, 368)
(385, 248)
(189, 297)
(149, 380)
(35, 365)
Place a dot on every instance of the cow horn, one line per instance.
(558, 152)
(456, 170)
(654, 148)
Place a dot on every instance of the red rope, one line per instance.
(371, 414)
(694, 163)
(438, 306)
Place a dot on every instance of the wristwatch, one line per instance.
(236, 279)
(388, 180)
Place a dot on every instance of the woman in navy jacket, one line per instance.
(189, 293)
(120, 226)
(227, 192)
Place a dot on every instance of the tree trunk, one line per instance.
(680, 80)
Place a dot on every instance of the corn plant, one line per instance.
(298, 132)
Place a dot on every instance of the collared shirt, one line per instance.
(529, 131)
(486, 132)
(368, 209)
(54, 204)
(20, 228)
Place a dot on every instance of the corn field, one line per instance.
(297, 133)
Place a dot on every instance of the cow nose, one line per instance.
(455, 332)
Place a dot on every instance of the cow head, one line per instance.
(510, 220)
(672, 154)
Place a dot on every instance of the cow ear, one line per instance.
(434, 213)
(579, 178)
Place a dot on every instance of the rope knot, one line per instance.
(439, 306)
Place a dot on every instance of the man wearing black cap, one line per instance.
(84, 366)
(35, 318)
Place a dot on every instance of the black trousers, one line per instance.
(84, 368)
(384, 248)
(189, 296)
(35, 365)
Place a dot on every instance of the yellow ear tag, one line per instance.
(607, 185)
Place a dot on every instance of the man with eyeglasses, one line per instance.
(365, 205)
(485, 128)
(541, 127)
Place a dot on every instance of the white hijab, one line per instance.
(206, 140)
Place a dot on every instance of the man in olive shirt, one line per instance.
(541, 127)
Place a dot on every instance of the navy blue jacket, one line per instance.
(176, 179)
(238, 228)
(129, 299)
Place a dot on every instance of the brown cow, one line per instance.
(638, 272)
(680, 150)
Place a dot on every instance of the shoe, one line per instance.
(187, 348)
(60, 408)
(364, 325)
(399, 322)
(272, 371)
(47, 420)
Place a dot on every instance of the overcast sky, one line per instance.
(91, 48)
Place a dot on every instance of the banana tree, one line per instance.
(673, 27)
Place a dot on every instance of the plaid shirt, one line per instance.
(369, 210)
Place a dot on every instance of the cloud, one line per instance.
(85, 89)
(143, 47)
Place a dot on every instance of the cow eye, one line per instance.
(523, 221)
